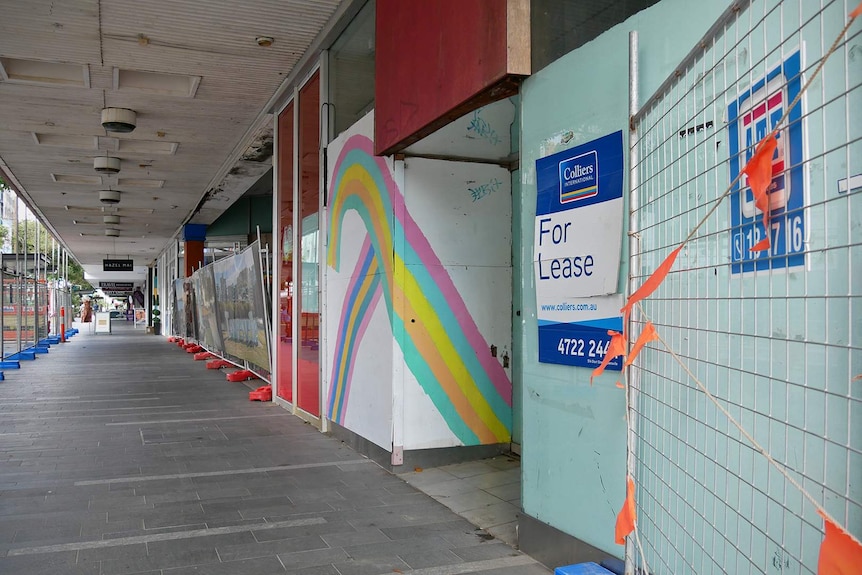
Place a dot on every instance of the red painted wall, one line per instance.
(432, 58)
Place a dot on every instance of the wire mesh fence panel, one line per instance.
(774, 335)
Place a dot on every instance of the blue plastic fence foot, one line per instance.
(26, 354)
(10, 364)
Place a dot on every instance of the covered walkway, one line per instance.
(120, 454)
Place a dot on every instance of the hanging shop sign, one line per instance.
(751, 117)
(117, 286)
(118, 265)
(576, 251)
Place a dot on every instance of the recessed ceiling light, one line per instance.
(140, 183)
(147, 147)
(264, 41)
(15, 70)
(156, 83)
(76, 179)
(67, 141)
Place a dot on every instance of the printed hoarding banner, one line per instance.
(205, 296)
(750, 118)
(240, 306)
(576, 251)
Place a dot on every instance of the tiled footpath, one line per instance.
(120, 454)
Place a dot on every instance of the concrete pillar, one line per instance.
(194, 236)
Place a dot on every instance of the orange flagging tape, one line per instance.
(857, 12)
(839, 554)
(626, 517)
(652, 283)
(759, 172)
(647, 335)
(617, 346)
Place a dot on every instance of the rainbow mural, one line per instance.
(441, 344)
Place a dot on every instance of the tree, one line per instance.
(27, 233)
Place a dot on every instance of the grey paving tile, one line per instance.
(374, 521)
(263, 549)
(491, 550)
(316, 558)
(334, 526)
(39, 535)
(426, 477)
(508, 492)
(351, 538)
(319, 570)
(374, 566)
(391, 548)
(256, 566)
(495, 478)
(429, 558)
(532, 569)
(468, 469)
(153, 562)
(492, 515)
(50, 563)
(474, 499)
(107, 553)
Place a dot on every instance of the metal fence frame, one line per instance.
(777, 348)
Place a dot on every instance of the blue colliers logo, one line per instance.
(579, 177)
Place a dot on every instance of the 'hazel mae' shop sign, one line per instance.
(576, 251)
(118, 265)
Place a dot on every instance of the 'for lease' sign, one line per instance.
(576, 250)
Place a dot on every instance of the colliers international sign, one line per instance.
(118, 265)
(577, 242)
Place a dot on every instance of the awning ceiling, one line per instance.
(198, 74)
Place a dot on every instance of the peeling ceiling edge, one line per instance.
(342, 16)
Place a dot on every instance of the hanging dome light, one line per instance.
(106, 164)
(109, 197)
(120, 120)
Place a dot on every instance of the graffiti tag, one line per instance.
(483, 129)
(480, 192)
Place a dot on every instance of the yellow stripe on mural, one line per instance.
(357, 181)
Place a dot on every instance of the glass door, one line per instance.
(284, 269)
(308, 354)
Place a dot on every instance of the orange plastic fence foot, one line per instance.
(263, 393)
(241, 375)
(218, 364)
(193, 348)
(203, 355)
(171, 339)
(180, 342)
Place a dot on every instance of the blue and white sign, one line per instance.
(577, 334)
(753, 115)
(577, 242)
